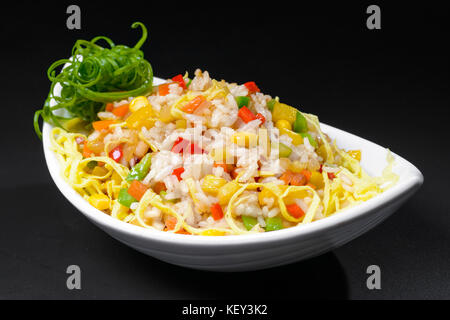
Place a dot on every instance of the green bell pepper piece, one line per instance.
(249, 222)
(274, 223)
(271, 104)
(300, 124)
(139, 171)
(125, 198)
(242, 101)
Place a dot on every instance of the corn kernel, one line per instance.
(99, 201)
(212, 184)
(138, 103)
(283, 124)
(245, 139)
(212, 232)
(226, 192)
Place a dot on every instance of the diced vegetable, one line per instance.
(142, 117)
(211, 184)
(116, 154)
(245, 139)
(212, 232)
(293, 178)
(102, 124)
(226, 192)
(307, 174)
(170, 222)
(163, 89)
(295, 211)
(177, 172)
(251, 87)
(274, 223)
(195, 103)
(242, 101)
(284, 150)
(180, 80)
(282, 111)
(297, 139)
(310, 139)
(271, 104)
(92, 164)
(300, 124)
(121, 111)
(138, 103)
(283, 124)
(249, 222)
(355, 154)
(331, 175)
(260, 117)
(137, 189)
(316, 179)
(86, 151)
(216, 211)
(125, 198)
(139, 171)
(159, 186)
(99, 201)
(246, 115)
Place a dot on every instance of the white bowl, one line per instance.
(266, 250)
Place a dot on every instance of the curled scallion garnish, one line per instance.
(95, 76)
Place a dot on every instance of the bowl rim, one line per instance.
(412, 181)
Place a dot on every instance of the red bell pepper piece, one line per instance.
(116, 154)
(216, 211)
(246, 115)
(251, 87)
(180, 80)
(177, 172)
(295, 211)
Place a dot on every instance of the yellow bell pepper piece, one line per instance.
(296, 138)
(355, 154)
(226, 192)
(283, 124)
(138, 102)
(317, 179)
(99, 201)
(245, 139)
(211, 184)
(212, 232)
(282, 111)
(296, 166)
(143, 117)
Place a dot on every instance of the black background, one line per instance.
(390, 86)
